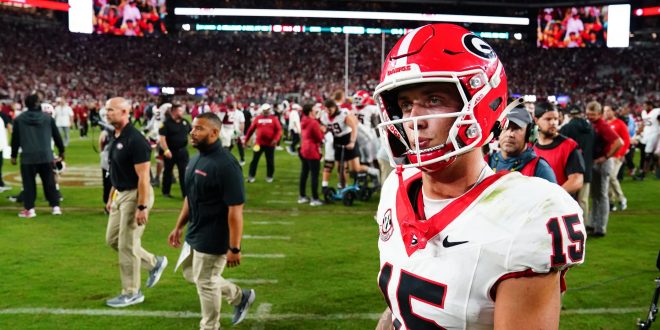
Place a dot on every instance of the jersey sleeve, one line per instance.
(551, 235)
(142, 150)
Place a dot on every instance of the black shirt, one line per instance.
(176, 134)
(580, 130)
(214, 181)
(128, 149)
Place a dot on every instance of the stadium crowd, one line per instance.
(267, 67)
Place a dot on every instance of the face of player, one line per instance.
(549, 124)
(331, 111)
(203, 133)
(512, 140)
(429, 99)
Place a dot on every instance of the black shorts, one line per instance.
(340, 147)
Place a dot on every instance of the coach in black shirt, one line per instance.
(173, 136)
(213, 209)
(131, 199)
(33, 131)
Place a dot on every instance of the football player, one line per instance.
(460, 246)
(367, 114)
(344, 128)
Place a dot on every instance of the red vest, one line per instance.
(557, 157)
(530, 168)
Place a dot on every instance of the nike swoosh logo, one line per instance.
(446, 243)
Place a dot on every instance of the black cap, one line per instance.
(574, 109)
(542, 107)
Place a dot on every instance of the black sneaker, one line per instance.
(240, 311)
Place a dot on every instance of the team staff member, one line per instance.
(562, 153)
(606, 145)
(269, 132)
(173, 136)
(32, 133)
(515, 154)
(131, 199)
(213, 210)
(580, 130)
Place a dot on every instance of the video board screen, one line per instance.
(577, 27)
(134, 18)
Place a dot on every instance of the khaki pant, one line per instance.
(600, 200)
(205, 270)
(616, 194)
(583, 201)
(124, 236)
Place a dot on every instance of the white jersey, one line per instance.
(337, 124)
(443, 272)
(231, 120)
(294, 121)
(365, 115)
(651, 124)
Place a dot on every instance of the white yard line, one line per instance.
(264, 315)
(285, 238)
(263, 311)
(252, 281)
(264, 256)
(268, 223)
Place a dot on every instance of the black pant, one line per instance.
(28, 174)
(83, 128)
(295, 139)
(270, 161)
(313, 166)
(241, 150)
(106, 186)
(642, 156)
(2, 183)
(179, 158)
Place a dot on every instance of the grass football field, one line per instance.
(311, 267)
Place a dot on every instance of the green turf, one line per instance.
(329, 271)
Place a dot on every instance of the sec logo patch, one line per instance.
(120, 146)
(386, 228)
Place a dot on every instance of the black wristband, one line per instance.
(235, 250)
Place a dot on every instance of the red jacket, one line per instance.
(268, 130)
(312, 137)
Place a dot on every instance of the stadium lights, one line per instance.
(184, 11)
(648, 11)
(319, 29)
(168, 90)
(54, 5)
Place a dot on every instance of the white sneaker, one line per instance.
(57, 210)
(124, 300)
(251, 179)
(624, 204)
(269, 180)
(315, 202)
(242, 162)
(4, 188)
(303, 200)
(27, 214)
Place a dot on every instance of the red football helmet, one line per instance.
(361, 98)
(443, 53)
